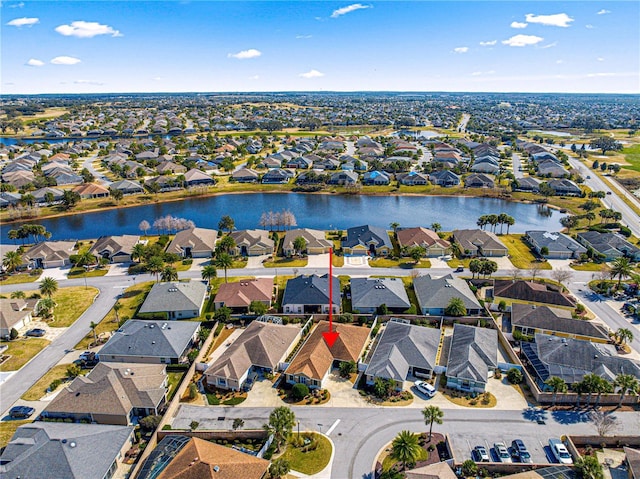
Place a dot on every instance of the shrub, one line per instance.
(149, 423)
(498, 374)
(193, 391)
(299, 391)
(54, 384)
(514, 376)
(13, 334)
(73, 371)
(469, 468)
(194, 425)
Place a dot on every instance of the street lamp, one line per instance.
(298, 430)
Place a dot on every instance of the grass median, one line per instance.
(71, 303)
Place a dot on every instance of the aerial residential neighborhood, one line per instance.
(285, 240)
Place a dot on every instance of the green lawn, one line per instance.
(590, 267)
(18, 278)
(632, 155)
(404, 263)
(80, 273)
(174, 379)
(8, 429)
(519, 252)
(70, 304)
(455, 262)
(310, 462)
(286, 263)
(21, 351)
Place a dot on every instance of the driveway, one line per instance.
(503, 262)
(118, 269)
(508, 397)
(55, 273)
(262, 394)
(198, 263)
(560, 263)
(438, 263)
(318, 261)
(356, 261)
(343, 394)
(256, 261)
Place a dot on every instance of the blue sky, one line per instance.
(178, 46)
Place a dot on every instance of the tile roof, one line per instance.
(473, 352)
(249, 238)
(241, 293)
(174, 296)
(114, 245)
(51, 250)
(472, 240)
(314, 238)
(12, 311)
(439, 470)
(315, 358)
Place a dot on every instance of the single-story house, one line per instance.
(128, 187)
(112, 393)
(559, 245)
(611, 245)
(41, 195)
(367, 294)
(239, 295)
(478, 180)
(245, 175)
(277, 176)
(434, 294)
(252, 243)
(70, 451)
(404, 351)
(565, 188)
(15, 313)
(425, 238)
(91, 190)
(50, 254)
(344, 178)
(262, 346)
(195, 177)
(444, 178)
(194, 243)
(117, 249)
(310, 294)
(367, 240)
(148, 341)
(528, 183)
(479, 243)
(473, 358)
(530, 320)
(315, 240)
(413, 178)
(379, 178)
(174, 300)
(529, 292)
(314, 361)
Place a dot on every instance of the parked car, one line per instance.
(36, 332)
(520, 451)
(502, 452)
(87, 359)
(425, 388)
(21, 412)
(480, 454)
(459, 269)
(559, 451)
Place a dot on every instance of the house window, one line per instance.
(222, 381)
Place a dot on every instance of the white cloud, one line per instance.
(556, 20)
(461, 49)
(477, 74)
(254, 77)
(35, 63)
(311, 74)
(593, 75)
(489, 43)
(64, 60)
(559, 62)
(522, 40)
(157, 78)
(589, 26)
(82, 29)
(600, 59)
(24, 21)
(303, 36)
(604, 12)
(17, 5)
(550, 45)
(518, 25)
(245, 54)
(349, 9)
(87, 82)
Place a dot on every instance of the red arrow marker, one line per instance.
(330, 336)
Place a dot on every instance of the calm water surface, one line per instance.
(311, 210)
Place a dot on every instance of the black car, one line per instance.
(21, 412)
(459, 269)
(36, 332)
(519, 450)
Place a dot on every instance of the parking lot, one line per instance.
(537, 445)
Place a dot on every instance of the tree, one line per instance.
(416, 253)
(606, 143)
(18, 295)
(224, 261)
(590, 383)
(406, 448)
(469, 468)
(627, 383)
(226, 223)
(514, 376)
(279, 468)
(258, 308)
(226, 244)
(561, 275)
(475, 266)
(73, 371)
(557, 385)
(209, 272)
(222, 314)
(169, 273)
(394, 226)
(155, 265)
(144, 226)
(149, 423)
(432, 414)
(569, 221)
(70, 198)
(46, 307)
(347, 368)
(12, 261)
(299, 391)
(138, 251)
(237, 423)
(299, 245)
(48, 287)
(588, 467)
(83, 259)
(534, 270)
(455, 307)
(620, 268)
(544, 251)
(116, 194)
(488, 267)
(92, 326)
(623, 335)
(382, 388)
(604, 422)
(281, 422)
(436, 227)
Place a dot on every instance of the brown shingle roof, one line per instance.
(240, 294)
(420, 236)
(90, 189)
(532, 292)
(201, 459)
(315, 357)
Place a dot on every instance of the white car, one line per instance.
(502, 452)
(559, 451)
(425, 388)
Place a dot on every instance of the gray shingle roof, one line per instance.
(555, 242)
(372, 292)
(365, 235)
(198, 239)
(403, 346)
(554, 319)
(311, 290)
(63, 451)
(433, 293)
(606, 242)
(154, 339)
(174, 296)
(473, 352)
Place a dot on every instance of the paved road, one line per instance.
(515, 158)
(88, 164)
(629, 217)
(361, 434)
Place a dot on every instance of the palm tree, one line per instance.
(116, 309)
(226, 244)
(18, 295)
(12, 261)
(406, 448)
(224, 261)
(46, 307)
(590, 382)
(93, 327)
(138, 251)
(620, 268)
(588, 467)
(623, 335)
(602, 386)
(558, 385)
(169, 273)
(394, 226)
(502, 220)
(432, 414)
(510, 221)
(155, 264)
(48, 286)
(455, 307)
(279, 468)
(627, 384)
(436, 227)
(209, 272)
(281, 422)
(456, 252)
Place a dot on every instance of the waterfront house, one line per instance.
(444, 178)
(91, 190)
(50, 254)
(315, 241)
(310, 294)
(252, 243)
(478, 180)
(559, 245)
(434, 294)
(128, 187)
(368, 294)
(239, 295)
(413, 178)
(529, 292)
(174, 300)
(565, 187)
(245, 175)
(195, 177)
(478, 242)
(551, 169)
(194, 243)
(117, 249)
(473, 358)
(376, 178)
(344, 178)
(367, 240)
(610, 245)
(424, 238)
(527, 183)
(40, 195)
(277, 176)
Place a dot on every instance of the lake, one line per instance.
(311, 210)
